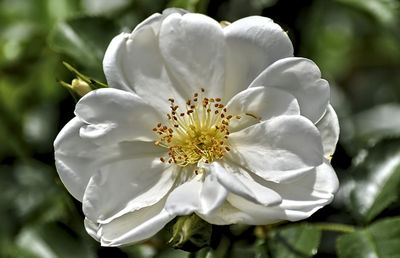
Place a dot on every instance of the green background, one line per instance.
(356, 44)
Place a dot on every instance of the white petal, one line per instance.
(185, 199)
(76, 158)
(127, 185)
(114, 116)
(193, 48)
(212, 194)
(302, 78)
(278, 149)
(228, 214)
(142, 224)
(135, 226)
(236, 182)
(253, 43)
(258, 104)
(329, 129)
(301, 198)
(133, 62)
(116, 55)
(92, 229)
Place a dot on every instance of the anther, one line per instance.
(157, 143)
(162, 159)
(202, 89)
(155, 129)
(171, 100)
(217, 99)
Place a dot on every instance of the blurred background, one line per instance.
(356, 44)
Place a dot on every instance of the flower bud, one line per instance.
(80, 87)
(190, 233)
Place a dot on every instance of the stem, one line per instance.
(334, 227)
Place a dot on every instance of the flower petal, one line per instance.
(127, 185)
(144, 223)
(212, 194)
(193, 48)
(253, 43)
(259, 104)
(329, 129)
(76, 158)
(233, 179)
(133, 63)
(134, 226)
(278, 149)
(113, 116)
(301, 198)
(302, 78)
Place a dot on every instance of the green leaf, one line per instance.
(85, 39)
(189, 5)
(104, 7)
(377, 123)
(380, 240)
(375, 181)
(385, 11)
(51, 240)
(294, 241)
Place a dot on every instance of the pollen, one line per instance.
(199, 133)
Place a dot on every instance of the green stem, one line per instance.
(334, 227)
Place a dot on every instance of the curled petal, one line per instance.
(212, 195)
(237, 183)
(148, 77)
(300, 199)
(76, 158)
(329, 129)
(300, 77)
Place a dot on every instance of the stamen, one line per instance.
(200, 131)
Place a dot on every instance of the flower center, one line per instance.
(197, 132)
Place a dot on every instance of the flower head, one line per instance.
(221, 121)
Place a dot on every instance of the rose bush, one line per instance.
(199, 118)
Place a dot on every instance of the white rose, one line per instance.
(219, 121)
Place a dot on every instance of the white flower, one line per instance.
(222, 122)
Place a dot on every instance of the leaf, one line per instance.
(385, 11)
(380, 240)
(50, 240)
(104, 7)
(374, 182)
(189, 5)
(85, 39)
(294, 241)
(377, 123)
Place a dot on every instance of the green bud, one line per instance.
(190, 233)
